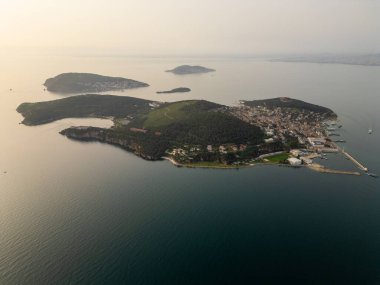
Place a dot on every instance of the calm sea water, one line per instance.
(87, 213)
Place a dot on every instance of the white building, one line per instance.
(270, 140)
(294, 161)
(222, 149)
(295, 152)
(317, 142)
(306, 160)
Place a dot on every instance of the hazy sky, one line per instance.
(191, 26)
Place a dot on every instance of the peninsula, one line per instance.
(88, 82)
(189, 69)
(199, 133)
(175, 90)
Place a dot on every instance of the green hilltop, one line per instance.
(285, 102)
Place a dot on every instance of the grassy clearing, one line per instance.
(167, 115)
(279, 158)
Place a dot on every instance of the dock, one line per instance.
(323, 169)
(358, 164)
(350, 157)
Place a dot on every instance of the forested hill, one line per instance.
(193, 123)
(285, 102)
(199, 122)
(153, 127)
(82, 106)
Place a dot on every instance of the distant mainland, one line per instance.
(349, 59)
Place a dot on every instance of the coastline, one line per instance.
(316, 167)
(177, 164)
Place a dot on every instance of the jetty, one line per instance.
(358, 164)
(323, 169)
(350, 157)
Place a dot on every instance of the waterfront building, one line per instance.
(295, 152)
(294, 161)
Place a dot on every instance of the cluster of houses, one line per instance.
(222, 149)
(279, 123)
(322, 145)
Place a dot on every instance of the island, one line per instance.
(199, 133)
(175, 90)
(189, 69)
(88, 82)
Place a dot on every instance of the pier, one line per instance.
(323, 169)
(358, 164)
(350, 157)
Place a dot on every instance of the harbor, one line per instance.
(348, 156)
(320, 146)
(356, 162)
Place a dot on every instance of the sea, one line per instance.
(90, 213)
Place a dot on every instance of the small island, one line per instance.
(175, 90)
(189, 69)
(88, 82)
(199, 133)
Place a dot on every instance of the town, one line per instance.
(293, 137)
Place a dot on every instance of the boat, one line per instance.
(373, 175)
(370, 131)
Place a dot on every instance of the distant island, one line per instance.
(199, 133)
(175, 90)
(88, 82)
(189, 69)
